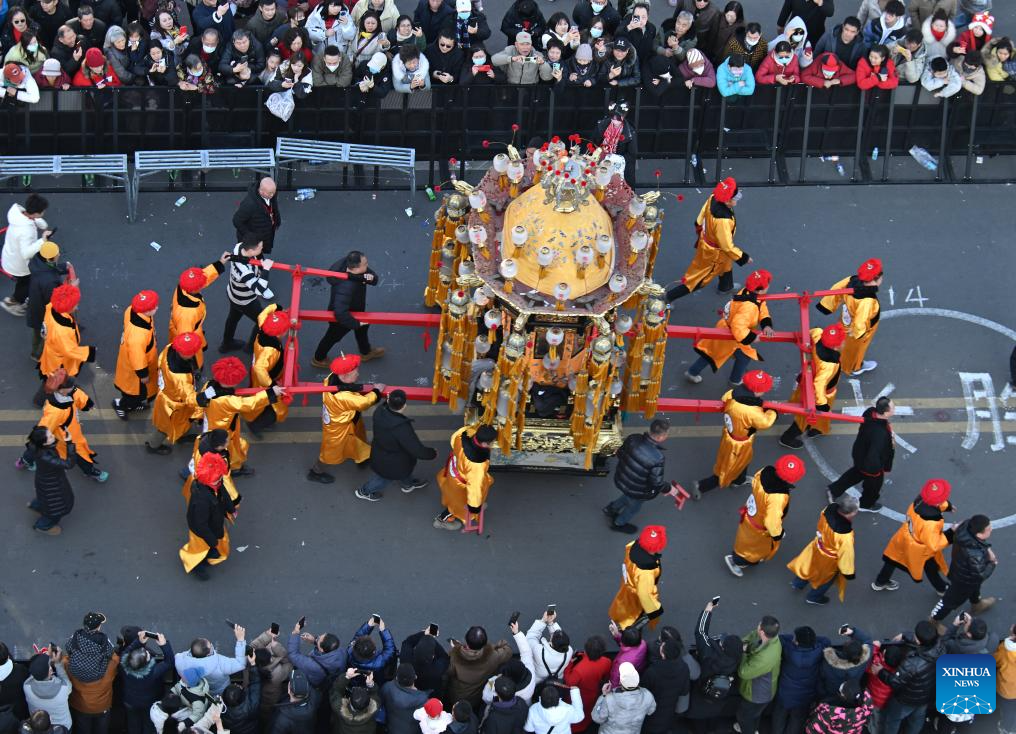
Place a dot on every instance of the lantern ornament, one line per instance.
(478, 236)
(604, 245)
(638, 242)
(492, 320)
(519, 236)
(583, 258)
(509, 269)
(561, 293)
(554, 337)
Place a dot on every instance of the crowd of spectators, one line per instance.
(299, 682)
(946, 46)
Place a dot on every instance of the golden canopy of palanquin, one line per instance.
(564, 234)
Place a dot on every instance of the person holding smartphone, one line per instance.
(363, 654)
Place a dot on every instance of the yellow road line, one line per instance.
(442, 434)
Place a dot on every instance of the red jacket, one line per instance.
(813, 74)
(589, 676)
(767, 72)
(83, 79)
(880, 692)
(867, 77)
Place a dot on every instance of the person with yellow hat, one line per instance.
(743, 418)
(176, 405)
(860, 314)
(343, 435)
(825, 370)
(137, 364)
(47, 272)
(918, 543)
(715, 251)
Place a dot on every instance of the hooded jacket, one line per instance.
(215, 668)
(243, 718)
(400, 703)
(631, 73)
(838, 717)
(759, 670)
(667, 681)
(836, 670)
(947, 87)
(970, 564)
(296, 717)
(505, 717)
(21, 241)
(139, 689)
(317, 666)
(429, 659)
(622, 711)
(938, 47)
(468, 671)
(814, 16)
(803, 51)
(541, 720)
(832, 42)
(815, 77)
(799, 672)
(770, 69)
(877, 31)
(46, 276)
(913, 683)
(51, 695)
(912, 70)
(584, 15)
(12, 687)
(873, 450)
(514, 21)
(346, 719)
(275, 675)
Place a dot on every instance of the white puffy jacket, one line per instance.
(22, 241)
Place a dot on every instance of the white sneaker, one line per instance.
(693, 379)
(733, 567)
(866, 366)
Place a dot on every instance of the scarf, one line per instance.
(90, 653)
(612, 136)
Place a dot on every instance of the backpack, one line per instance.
(718, 687)
(554, 679)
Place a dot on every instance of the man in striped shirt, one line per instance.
(246, 286)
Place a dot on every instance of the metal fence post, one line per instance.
(943, 130)
(776, 134)
(691, 128)
(970, 140)
(804, 138)
(860, 134)
(719, 143)
(889, 135)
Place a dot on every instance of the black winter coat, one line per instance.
(45, 277)
(52, 488)
(505, 718)
(243, 719)
(12, 692)
(400, 703)
(141, 688)
(814, 16)
(296, 718)
(714, 659)
(255, 58)
(432, 23)
(430, 668)
(970, 565)
(583, 16)
(514, 22)
(396, 447)
(639, 471)
(252, 216)
(206, 513)
(913, 683)
(349, 294)
(65, 55)
(667, 680)
(873, 449)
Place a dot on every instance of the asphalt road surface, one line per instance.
(301, 548)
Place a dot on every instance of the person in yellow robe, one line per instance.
(743, 417)
(715, 251)
(343, 435)
(825, 369)
(919, 541)
(224, 408)
(217, 441)
(465, 478)
(268, 366)
(761, 528)
(746, 316)
(638, 598)
(63, 347)
(829, 557)
(207, 511)
(860, 315)
(60, 416)
(137, 363)
(187, 314)
(176, 405)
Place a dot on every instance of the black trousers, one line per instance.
(930, 570)
(955, 597)
(266, 419)
(250, 310)
(335, 333)
(90, 723)
(724, 284)
(870, 486)
(20, 294)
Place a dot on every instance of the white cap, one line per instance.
(377, 61)
(463, 6)
(628, 675)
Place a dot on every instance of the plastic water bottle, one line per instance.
(180, 202)
(694, 160)
(304, 194)
(923, 157)
(840, 169)
(874, 154)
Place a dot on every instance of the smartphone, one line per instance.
(231, 625)
(53, 230)
(514, 618)
(376, 618)
(153, 635)
(302, 622)
(844, 628)
(275, 628)
(715, 600)
(433, 629)
(551, 609)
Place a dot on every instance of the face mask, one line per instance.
(783, 60)
(598, 7)
(373, 69)
(134, 44)
(479, 60)
(828, 74)
(736, 71)
(198, 72)
(207, 49)
(595, 32)
(331, 67)
(464, 16)
(969, 69)
(697, 70)
(601, 52)
(33, 47)
(797, 37)
(750, 43)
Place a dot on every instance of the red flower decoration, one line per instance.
(620, 137)
(437, 188)
(680, 197)
(590, 147)
(657, 173)
(585, 183)
(453, 162)
(515, 127)
(556, 139)
(545, 146)
(486, 143)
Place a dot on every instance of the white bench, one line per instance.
(113, 166)
(291, 150)
(151, 162)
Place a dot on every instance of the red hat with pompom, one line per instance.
(145, 301)
(653, 538)
(345, 364)
(789, 468)
(193, 279)
(758, 381)
(229, 371)
(65, 298)
(187, 344)
(211, 468)
(936, 491)
(276, 323)
(725, 190)
(870, 270)
(833, 336)
(759, 280)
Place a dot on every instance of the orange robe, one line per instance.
(464, 483)
(741, 316)
(267, 365)
(742, 418)
(227, 480)
(196, 549)
(137, 357)
(176, 404)
(761, 528)
(825, 367)
(860, 314)
(343, 434)
(918, 539)
(188, 311)
(715, 251)
(63, 347)
(829, 555)
(638, 594)
(62, 419)
(223, 409)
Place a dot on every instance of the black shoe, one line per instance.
(320, 477)
(820, 602)
(200, 572)
(184, 473)
(874, 508)
(161, 450)
(120, 412)
(233, 345)
(813, 432)
(609, 512)
(741, 481)
(255, 431)
(791, 443)
(243, 471)
(627, 528)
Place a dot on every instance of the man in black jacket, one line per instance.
(296, 716)
(507, 713)
(844, 41)
(243, 703)
(401, 698)
(348, 294)
(431, 16)
(973, 561)
(240, 66)
(913, 682)
(12, 679)
(67, 50)
(258, 214)
(639, 475)
(394, 451)
(872, 455)
(667, 678)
